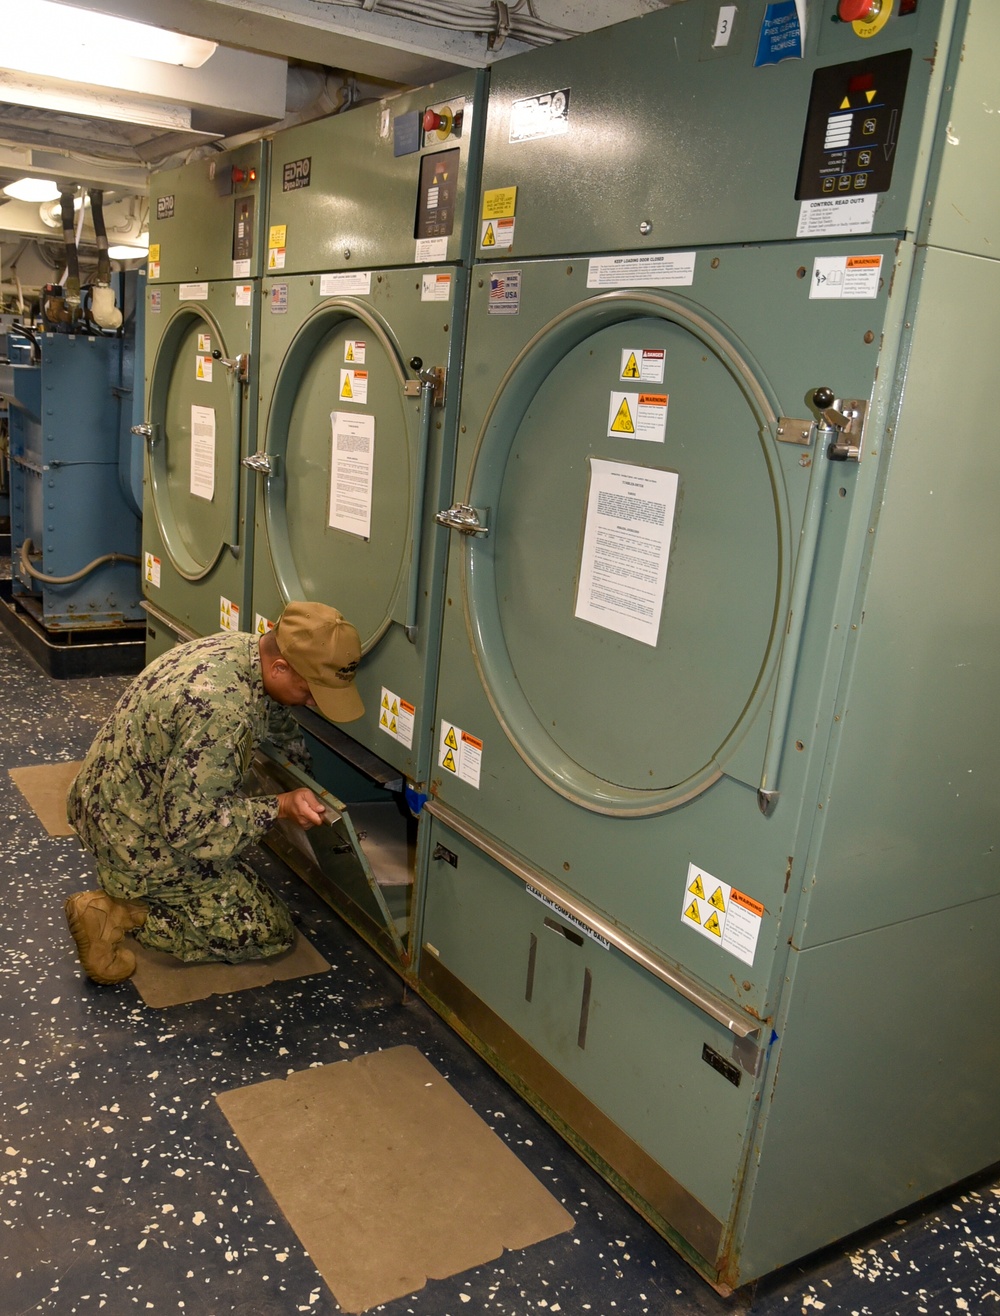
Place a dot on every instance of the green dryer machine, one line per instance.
(713, 874)
(202, 316)
(367, 253)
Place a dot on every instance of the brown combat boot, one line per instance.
(98, 922)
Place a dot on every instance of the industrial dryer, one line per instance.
(713, 874)
(202, 313)
(368, 242)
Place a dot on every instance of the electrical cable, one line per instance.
(27, 546)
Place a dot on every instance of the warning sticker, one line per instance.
(203, 369)
(354, 386)
(277, 235)
(643, 364)
(275, 258)
(638, 416)
(151, 570)
(204, 342)
(192, 292)
(262, 624)
(718, 911)
(435, 287)
(354, 351)
(460, 753)
(243, 294)
(154, 268)
(229, 614)
(396, 717)
(846, 277)
(497, 233)
(648, 269)
(499, 202)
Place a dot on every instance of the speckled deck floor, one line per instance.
(122, 1189)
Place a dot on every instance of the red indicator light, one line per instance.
(253, 175)
(907, 7)
(858, 11)
(861, 82)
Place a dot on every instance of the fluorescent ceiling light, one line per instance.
(123, 252)
(36, 31)
(33, 189)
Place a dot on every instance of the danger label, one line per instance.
(396, 717)
(354, 386)
(229, 614)
(643, 364)
(497, 233)
(727, 917)
(638, 416)
(203, 369)
(354, 351)
(460, 753)
(151, 570)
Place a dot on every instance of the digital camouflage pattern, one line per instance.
(158, 802)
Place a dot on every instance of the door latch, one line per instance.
(842, 420)
(239, 364)
(465, 519)
(262, 462)
(147, 430)
(432, 377)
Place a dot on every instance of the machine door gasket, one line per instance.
(505, 413)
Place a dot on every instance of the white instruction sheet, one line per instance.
(203, 452)
(351, 467)
(626, 545)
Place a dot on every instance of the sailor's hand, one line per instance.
(301, 806)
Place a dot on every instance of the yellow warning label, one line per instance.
(383, 721)
(154, 251)
(713, 925)
(489, 237)
(450, 739)
(718, 900)
(392, 726)
(622, 423)
(349, 355)
(395, 707)
(631, 370)
(499, 202)
(449, 762)
(385, 701)
(201, 368)
(692, 912)
(696, 887)
(346, 392)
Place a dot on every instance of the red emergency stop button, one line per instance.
(239, 175)
(432, 121)
(858, 11)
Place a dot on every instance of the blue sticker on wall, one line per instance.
(781, 33)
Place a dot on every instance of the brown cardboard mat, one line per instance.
(162, 979)
(387, 1176)
(44, 786)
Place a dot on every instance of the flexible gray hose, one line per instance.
(29, 570)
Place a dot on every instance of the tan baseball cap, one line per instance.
(324, 649)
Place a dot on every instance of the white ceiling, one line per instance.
(306, 57)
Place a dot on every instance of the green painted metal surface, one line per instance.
(807, 745)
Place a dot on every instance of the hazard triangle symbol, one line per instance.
(449, 762)
(345, 392)
(622, 423)
(450, 740)
(718, 900)
(489, 237)
(350, 352)
(696, 887)
(631, 370)
(692, 912)
(713, 925)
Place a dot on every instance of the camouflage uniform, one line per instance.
(157, 802)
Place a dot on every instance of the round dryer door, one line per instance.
(338, 505)
(628, 469)
(194, 457)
